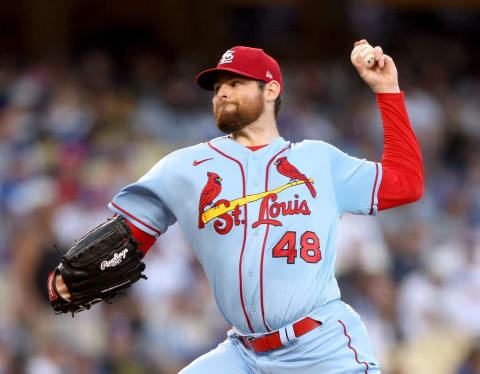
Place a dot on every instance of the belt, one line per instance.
(274, 340)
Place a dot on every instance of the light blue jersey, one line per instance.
(262, 224)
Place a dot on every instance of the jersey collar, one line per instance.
(236, 150)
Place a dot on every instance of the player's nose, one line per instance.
(223, 91)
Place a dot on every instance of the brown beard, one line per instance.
(242, 116)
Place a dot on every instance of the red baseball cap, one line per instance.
(249, 62)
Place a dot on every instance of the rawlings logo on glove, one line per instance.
(117, 258)
(96, 268)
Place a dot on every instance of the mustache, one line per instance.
(220, 105)
(224, 102)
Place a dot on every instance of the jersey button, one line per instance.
(251, 273)
(256, 184)
(253, 309)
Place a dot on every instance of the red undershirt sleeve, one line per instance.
(402, 167)
(145, 241)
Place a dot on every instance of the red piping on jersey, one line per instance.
(244, 234)
(373, 192)
(353, 349)
(136, 219)
(265, 239)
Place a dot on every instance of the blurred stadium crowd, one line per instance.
(72, 134)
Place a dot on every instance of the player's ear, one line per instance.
(271, 90)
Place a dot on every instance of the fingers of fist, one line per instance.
(366, 54)
(363, 41)
(62, 288)
(379, 56)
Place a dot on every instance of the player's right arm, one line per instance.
(402, 166)
(365, 187)
(398, 179)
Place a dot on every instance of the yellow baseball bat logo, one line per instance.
(218, 210)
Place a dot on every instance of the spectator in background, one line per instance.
(471, 364)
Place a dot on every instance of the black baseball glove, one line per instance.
(103, 262)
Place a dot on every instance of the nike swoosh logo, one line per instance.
(195, 163)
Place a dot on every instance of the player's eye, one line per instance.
(236, 83)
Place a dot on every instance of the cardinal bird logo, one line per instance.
(209, 193)
(286, 168)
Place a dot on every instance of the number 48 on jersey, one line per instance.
(309, 247)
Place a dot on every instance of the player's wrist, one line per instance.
(400, 96)
(382, 89)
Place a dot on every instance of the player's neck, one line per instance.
(263, 131)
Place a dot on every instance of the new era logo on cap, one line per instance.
(245, 61)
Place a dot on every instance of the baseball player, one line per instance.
(261, 214)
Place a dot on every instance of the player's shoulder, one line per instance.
(310, 145)
(318, 150)
(187, 156)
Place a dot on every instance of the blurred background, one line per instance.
(93, 93)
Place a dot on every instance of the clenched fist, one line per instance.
(382, 77)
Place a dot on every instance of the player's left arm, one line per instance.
(402, 167)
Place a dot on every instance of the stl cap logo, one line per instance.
(269, 75)
(227, 57)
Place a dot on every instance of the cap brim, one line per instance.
(206, 79)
